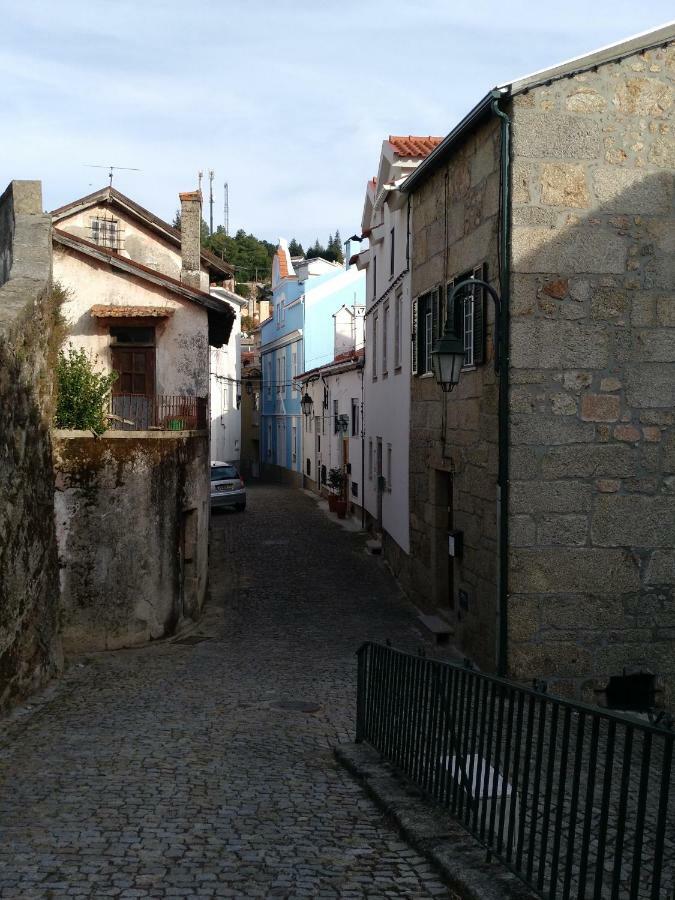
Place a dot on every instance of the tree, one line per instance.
(82, 392)
(204, 233)
(295, 248)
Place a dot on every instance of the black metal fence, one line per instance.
(575, 800)
(161, 412)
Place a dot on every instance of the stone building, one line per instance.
(555, 473)
(132, 505)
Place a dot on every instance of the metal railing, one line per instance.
(162, 412)
(577, 801)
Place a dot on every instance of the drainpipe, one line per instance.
(363, 455)
(503, 418)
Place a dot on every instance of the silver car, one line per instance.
(227, 486)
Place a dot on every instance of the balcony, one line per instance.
(137, 412)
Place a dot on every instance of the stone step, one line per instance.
(374, 547)
(439, 627)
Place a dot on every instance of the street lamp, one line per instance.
(447, 357)
(307, 404)
(249, 387)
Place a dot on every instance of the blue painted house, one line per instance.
(298, 335)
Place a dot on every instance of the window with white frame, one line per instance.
(374, 347)
(398, 321)
(468, 316)
(385, 337)
(278, 374)
(294, 370)
(428, 340)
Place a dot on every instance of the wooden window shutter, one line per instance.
(479, 317)
(436, 313)
(413, 336)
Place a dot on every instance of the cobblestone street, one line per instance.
(175, 771)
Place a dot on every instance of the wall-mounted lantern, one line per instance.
(447, 357)
(249, 387)
(307, 405)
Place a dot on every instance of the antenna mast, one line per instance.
(112, 169)
(210, 201)
(226, 210)
(200, 175)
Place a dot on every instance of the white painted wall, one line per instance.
(226, 386)
(387, 383)
(182, 354)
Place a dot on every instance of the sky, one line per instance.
(288, 102)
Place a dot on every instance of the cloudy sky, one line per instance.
(286, 101)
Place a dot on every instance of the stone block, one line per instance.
(582, 612)
(585, 100)
(545, 344)
(522, 531)
(547, 430)
(628, 433)
(644, 97)
(533, 497)
(665, 311)
(573, 570)
(651, 385)
(600, 408)
(662, 152)
(661, 568)
(530, 660)
(655, 345)
(484, 162)
(633, 521)
(530, 216)
(632, 190)
(523, 463)
(589, 460)
(563, 405)
(555, 135)
(651, 433)
(608, 485)
(564, 185)
(565, 530)
(610, 384)
(608, 303)
(576, 250)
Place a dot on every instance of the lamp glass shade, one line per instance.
(307, 403)
(447, 359)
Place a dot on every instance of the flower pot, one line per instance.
(333, 499)
(341, 508)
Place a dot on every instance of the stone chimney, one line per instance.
(190, 238)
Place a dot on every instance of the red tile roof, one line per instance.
(412, 145)
(283, 265)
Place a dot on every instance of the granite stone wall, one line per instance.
(453, 437)
(592, 501)
(29, 334)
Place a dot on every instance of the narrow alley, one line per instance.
(186, 769)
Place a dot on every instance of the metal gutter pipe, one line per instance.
(503, 418)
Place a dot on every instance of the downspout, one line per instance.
(503, 418)
(363, 455)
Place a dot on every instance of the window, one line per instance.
(355, 416)
(294, 443)
(129, 334)
(309, 467)
(374, 277)
(468, 316)
(428, 339)
(392, 253)
(398, 320)
(269, 377)
(336, 421)
(385, 338)
(374, 347)
(389, 468)
(294, 370)
(370, 459)
(106, 232)
(414, 309)
(426, 329)
(278, 374)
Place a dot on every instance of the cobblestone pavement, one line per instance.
(169, 772)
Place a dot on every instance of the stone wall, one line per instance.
(453, 437)
(592, 398)
(145, 496)
(29, 335)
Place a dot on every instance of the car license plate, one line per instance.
(224, 487)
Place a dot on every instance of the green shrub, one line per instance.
(82, 392)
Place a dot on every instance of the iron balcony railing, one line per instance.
(577, 801)
(162, 412)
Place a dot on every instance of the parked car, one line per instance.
(227, 486)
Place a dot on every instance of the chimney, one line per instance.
(190, 238)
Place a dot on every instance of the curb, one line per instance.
(457, 857)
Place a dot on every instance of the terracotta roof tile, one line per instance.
(283, 265)
(413, 145)
(99, 311)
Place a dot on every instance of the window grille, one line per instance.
(106, 232)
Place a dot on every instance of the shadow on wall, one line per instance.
(592, 427)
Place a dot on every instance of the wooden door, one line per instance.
(135, 367)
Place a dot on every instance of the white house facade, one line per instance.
(226, 388)
(385, 223)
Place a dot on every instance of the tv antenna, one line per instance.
(113, 169)
(211, 175)
(226, 210)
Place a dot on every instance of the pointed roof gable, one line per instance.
(115, 198)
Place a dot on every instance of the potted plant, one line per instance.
(335, 483)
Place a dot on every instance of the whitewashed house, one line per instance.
(385, 223)
(226, 385)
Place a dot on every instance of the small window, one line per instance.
(336, 417)
(105, 231)
(468, 317)
(374, 347)
(392, 253)
(309, 467)
(385, 329)
(122, 334)
(398, 320)
(428, 340)
(355, 416)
